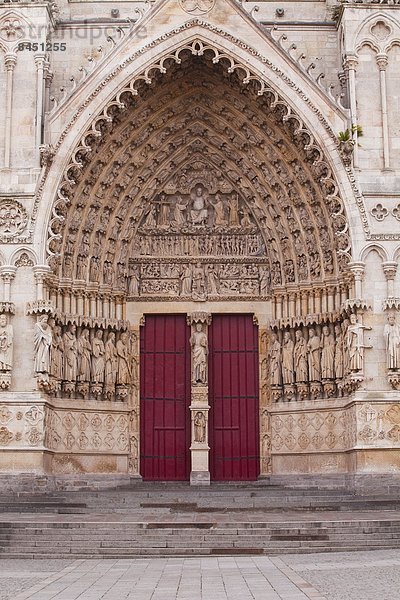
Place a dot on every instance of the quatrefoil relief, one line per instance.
(379, 212)
(396, 212)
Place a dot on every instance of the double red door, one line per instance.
(233, 398)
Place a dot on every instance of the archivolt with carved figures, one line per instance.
(202, 187)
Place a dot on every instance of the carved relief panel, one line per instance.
(198, 240)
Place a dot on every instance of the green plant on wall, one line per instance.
(348, 134)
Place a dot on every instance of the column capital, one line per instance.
(357, 268)
(390, 269)
(10, 60)
(7, 272)
(382, 61)
(350, 62)
(40, 58)
(40, 272)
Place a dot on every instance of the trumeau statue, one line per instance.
(314, 358)
(300, 358)
(199, 344)
(6, 344)
(42, 345)
(327, 345)
(287, 359)
(199, 427)
(392, 337)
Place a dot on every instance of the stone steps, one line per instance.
(110, 540)
(176, 520)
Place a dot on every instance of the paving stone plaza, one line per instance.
(336, 576)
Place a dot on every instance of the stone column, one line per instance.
(350, 66)
(357, 268)
(7, 309)
(382, 62)
(10, 62)
(40, 272)
(390, 270)
(7, 273)
(40, 65)
(264, 340)
(199, 407)
(134, 401)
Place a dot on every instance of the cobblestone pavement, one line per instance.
(333, 576)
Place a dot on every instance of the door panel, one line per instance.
(165, 398)
(233, 393)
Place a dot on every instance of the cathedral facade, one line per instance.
(200, 238)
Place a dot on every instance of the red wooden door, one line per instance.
(165, 398)
(233, 394)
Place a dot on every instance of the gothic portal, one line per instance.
(199, 258)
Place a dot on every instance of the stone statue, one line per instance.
(199, 344)
(179, 211)
(219, 211)
(111, 362)
(199, 212)
(70, 354)
(264, 281)
(98, 359)
(287, 359)
(355, 344)
(327, 346)
(57, 348)
(199, 427)
(314, 358)
(84, 356)
(346, 356)
(274, 357)
(198, 287)
(133, 279)
(42, 345)
(164, 211)
(300, 358)
(186, 280)
(234, 211)
(338, 353)
(6, 344)
(392, 337)
(151, 219)
(123, 369)
(212, 281)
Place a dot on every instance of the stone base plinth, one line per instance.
(200, 478)
(200, 474)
